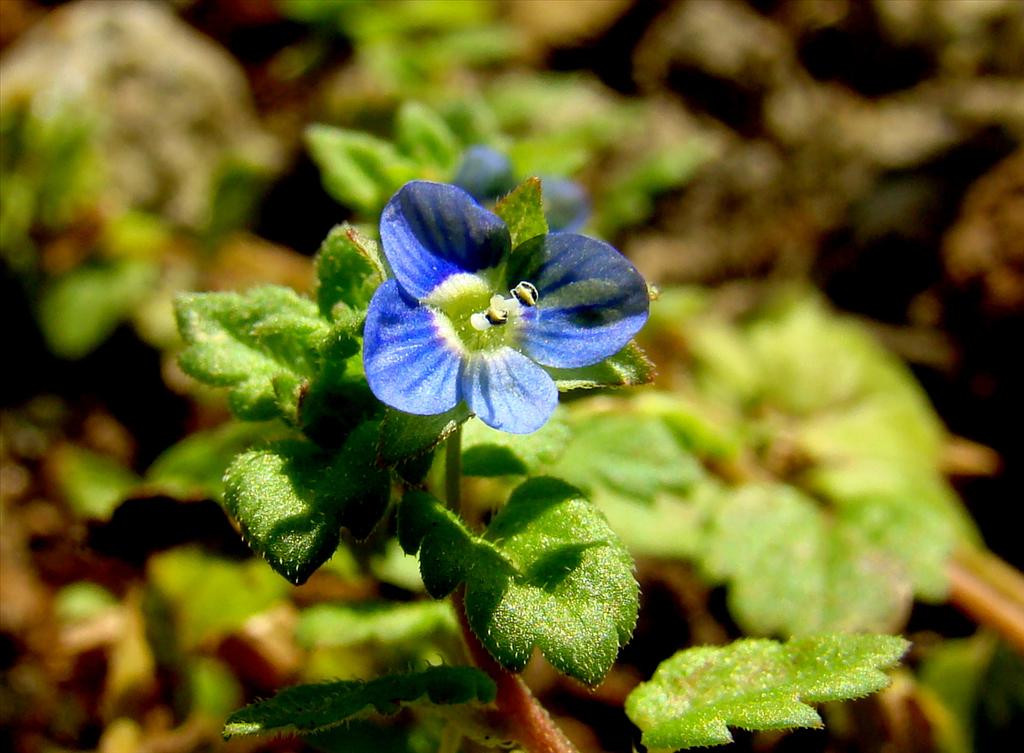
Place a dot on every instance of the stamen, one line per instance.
(526, 293)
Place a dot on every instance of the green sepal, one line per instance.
(548, 573)
(292, 498)
(358, 170)
(404, 436)
(756, 684)
(349, 267)
(247, 341)
(523, 211)
(307, 709)
(423, 135)
(630, 367)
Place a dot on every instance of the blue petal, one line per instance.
(591, 299)
(485, 172)
(566, 205)
(409, 364)
(431, 231)
(508, 391)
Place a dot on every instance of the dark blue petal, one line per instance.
(566, 205)
(591, 299)
(508, 391)
(431, 231)
(409, 364)
(485, 172)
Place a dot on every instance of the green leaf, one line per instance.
(93, 484)
(357, 169)
(262, 345)
(404, 436)
(212, 596)
(630, 367)
(292, 498)
(194, 467)
(314, 708)
(548, 573)
(349, 267)
(81, 309)
(909, 512)
(422, 134)
(489, 452)
(523, 211)
(626, 455)
(695, 696)
(387, 622)
(794, 570)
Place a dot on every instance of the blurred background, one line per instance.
(866, 153)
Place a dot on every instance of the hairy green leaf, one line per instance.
(548, 573)
(314, 708)
(382, 622)
(262, 345)
(523, 211)
(357, 169)
(489, 452)
(695, 696)
(404, 436)
(793, 570)
(349, 267)
(423, 135)
(292, 498)
(630, 367)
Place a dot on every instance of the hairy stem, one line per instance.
(453, 471)
(990, 592)
(519, 715)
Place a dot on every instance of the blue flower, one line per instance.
(467, 318)
(487, 174)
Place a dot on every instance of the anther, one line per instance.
(526, 293)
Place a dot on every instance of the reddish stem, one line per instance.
(519, 715)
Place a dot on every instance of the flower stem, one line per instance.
(453, 471)
(519, 715)
(990, 592)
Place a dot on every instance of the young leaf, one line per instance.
(404, 436)
(793, 570)
(358, 170)
(292, 498)
(630, 367)
(523, 211)
(695, 696)
(489, 452)
(422, 134)
(261, 344)
(548, 572)
(349, 268)
(313, 708)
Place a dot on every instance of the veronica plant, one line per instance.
(468, 312)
